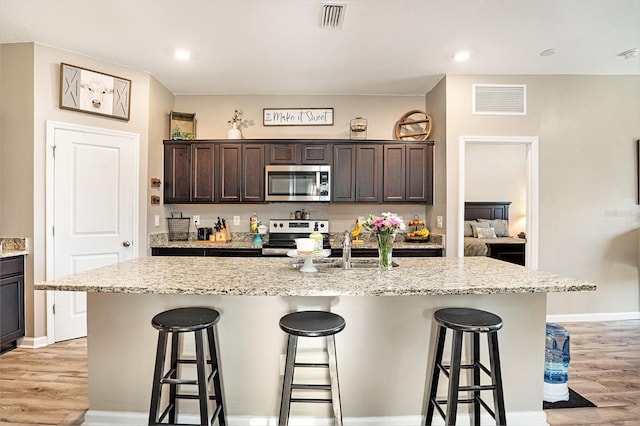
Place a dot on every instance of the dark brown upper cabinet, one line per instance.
(189, 172)
(408, 173)
(356, 173)
(241, 173)
(299, 152)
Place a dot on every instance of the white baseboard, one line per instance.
(113, 418)
(607, 316)
(33, 342)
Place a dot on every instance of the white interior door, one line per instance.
(94, 214)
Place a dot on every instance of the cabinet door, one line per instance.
(368, 173)
(11, 310)
(284, 153)
(177, 173)
(252, 173)
(343, 183)
(202, 160)
(316, 153)
(394, 173)
(419, 184)
(229, 165)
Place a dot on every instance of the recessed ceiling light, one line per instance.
(548, 52)
(462, 56)
(182, 54)
(631, 53)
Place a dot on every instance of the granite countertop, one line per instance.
(12, 247)
(261, 276)
(243, 240)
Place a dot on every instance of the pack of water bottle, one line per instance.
(556, 363)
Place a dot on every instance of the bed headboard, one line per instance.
(486, 210)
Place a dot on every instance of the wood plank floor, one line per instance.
(48, 386)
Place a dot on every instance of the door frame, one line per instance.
(52, 126)
(532, 160)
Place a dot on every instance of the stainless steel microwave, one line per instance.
(297, 183)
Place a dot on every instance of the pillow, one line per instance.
(468, 232)
(486, 233)
(501, 226)
(475, 226)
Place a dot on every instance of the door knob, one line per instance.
(126, 243)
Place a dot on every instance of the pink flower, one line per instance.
(386, 223)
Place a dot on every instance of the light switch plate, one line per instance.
(439, 221)
(236, 220)
(156, 220)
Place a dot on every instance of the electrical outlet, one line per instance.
(439, 221)
(361, 219)
(236, 220)
(196, 219)
(156, 220)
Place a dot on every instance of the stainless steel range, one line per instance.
(283, 232)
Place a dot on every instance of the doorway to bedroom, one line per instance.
(502, 169)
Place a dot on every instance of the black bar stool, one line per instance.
(474, 321)
(176, 322)
(311, 324)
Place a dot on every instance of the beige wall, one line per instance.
(437, 110)
(29, 69)
(16, 154)
(589, 218)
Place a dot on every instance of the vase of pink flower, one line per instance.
(384, 227)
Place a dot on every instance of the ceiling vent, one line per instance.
(500, 99)
(333, 15)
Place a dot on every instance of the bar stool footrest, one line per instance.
(313, 400)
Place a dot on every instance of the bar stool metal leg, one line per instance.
(496, 378)
(173, 388)
(217, 378)
(333, 375)
(203, 384)
(285, 404)
(475, 360)
(436, 365)
(454, 378)
(157, 375)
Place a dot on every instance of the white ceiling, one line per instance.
(396, 47)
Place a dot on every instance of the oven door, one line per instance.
(297, 183)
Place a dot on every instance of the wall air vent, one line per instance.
(500, 99)
(333, 15)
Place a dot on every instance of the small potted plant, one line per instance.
(236, 120)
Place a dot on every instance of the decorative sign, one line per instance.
(94, 92)
(297, 117)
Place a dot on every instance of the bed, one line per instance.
(487, 232)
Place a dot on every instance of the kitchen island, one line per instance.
(383, 353)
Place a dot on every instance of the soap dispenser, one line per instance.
(317, 237)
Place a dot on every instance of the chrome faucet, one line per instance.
(346, 250)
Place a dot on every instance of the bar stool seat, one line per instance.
(475, 322)
(310, 324)
(176, 322)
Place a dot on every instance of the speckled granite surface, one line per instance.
(245, 240)
(260, 276)
(13, 247)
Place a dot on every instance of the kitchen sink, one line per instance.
(321, 264)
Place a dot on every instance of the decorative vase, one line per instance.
(385, 251)
(235, 132)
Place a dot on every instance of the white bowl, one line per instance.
(305, 245)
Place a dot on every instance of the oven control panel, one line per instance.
(295, 226)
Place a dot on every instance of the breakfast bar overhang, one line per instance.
(383, 353)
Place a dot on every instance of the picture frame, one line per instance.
(182, 125)
(297, 117)
(94, 92)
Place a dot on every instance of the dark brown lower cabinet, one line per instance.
(11, 302)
